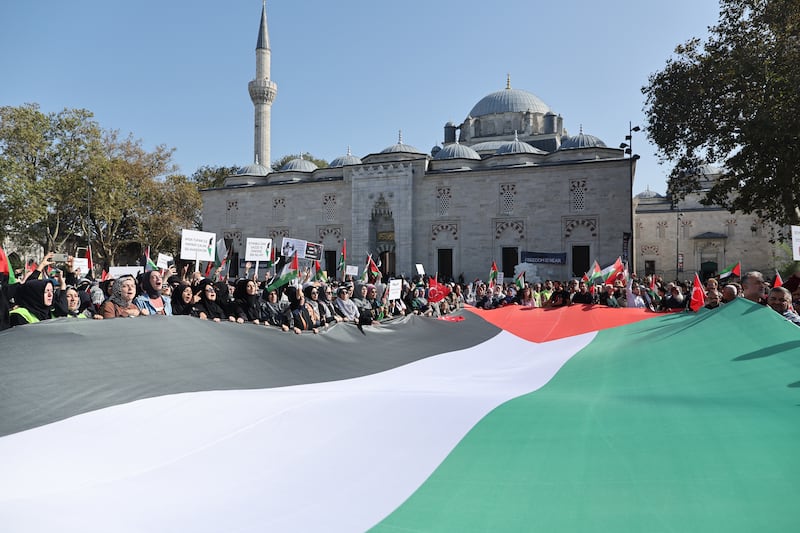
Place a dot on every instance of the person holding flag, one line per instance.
(288, 274)
(493, 276)
(343, 259)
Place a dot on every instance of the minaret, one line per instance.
(262, 93)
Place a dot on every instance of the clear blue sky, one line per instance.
(175, 72)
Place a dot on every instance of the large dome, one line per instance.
(509, 101)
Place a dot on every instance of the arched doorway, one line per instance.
(381, 236)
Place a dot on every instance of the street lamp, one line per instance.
(678, 218)
(628, 147)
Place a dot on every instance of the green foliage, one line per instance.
(278, 163)
(732, 101)
(65, 182)
(211, 177)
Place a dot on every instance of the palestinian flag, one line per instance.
(519, 281)
(148, 262)
(290, 272)
(778, 280)
(596, 274)
(509, 420)
(90, 267)
(733, 270)
(6, 268)
(343, 258)
(319, 272)
(611, 273)
(493, 275)
(371, 271)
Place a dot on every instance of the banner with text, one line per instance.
(796, 243)
(258, 249)
(547, 258)
(198, 245)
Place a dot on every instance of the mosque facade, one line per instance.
(677, 237)
(508, 185)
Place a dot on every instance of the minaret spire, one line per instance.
(262, 92)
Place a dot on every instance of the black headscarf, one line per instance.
(210, 307)
(178, 306)
(246, 306)
(30, 295)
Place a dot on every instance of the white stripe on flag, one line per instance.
(336, 456)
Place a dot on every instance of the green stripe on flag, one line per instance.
(661, 425)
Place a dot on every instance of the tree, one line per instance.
(732, 101)
(128, 206)
(210, 177)
(44, 159)
(278, 163)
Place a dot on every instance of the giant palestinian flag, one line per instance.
(570, 419)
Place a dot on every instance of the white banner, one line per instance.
(291, 246)
(82, 264)
(796, 243)
(500, 278)
(395, 289)
(420, 269)
(116, 272)
(351, 270)
(198, 245)
(163, 261)
(258, 249)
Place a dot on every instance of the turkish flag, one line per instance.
(437, 292)
(698, 295)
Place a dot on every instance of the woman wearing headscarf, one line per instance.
(300, 314)
(151, 299)
(75, 306)
(208, 308)
(277, 313)
(246, 303)
(34, 300)
(120, 304)
(183, 299)
(325, 304)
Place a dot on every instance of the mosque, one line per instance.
(508, 185)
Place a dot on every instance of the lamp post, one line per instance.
(678, 218)
(632, 158)
(88, 218)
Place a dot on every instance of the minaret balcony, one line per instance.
(262, 91)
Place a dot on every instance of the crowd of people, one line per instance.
(311, 305)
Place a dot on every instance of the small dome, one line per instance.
(345, 160)
(509, 101)
(456, 151)
(488, 146)
(648, 194)
(400, 147)
(517, 147)
(435, 150)
(256, 169)
(299, 165)
(582, 140)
